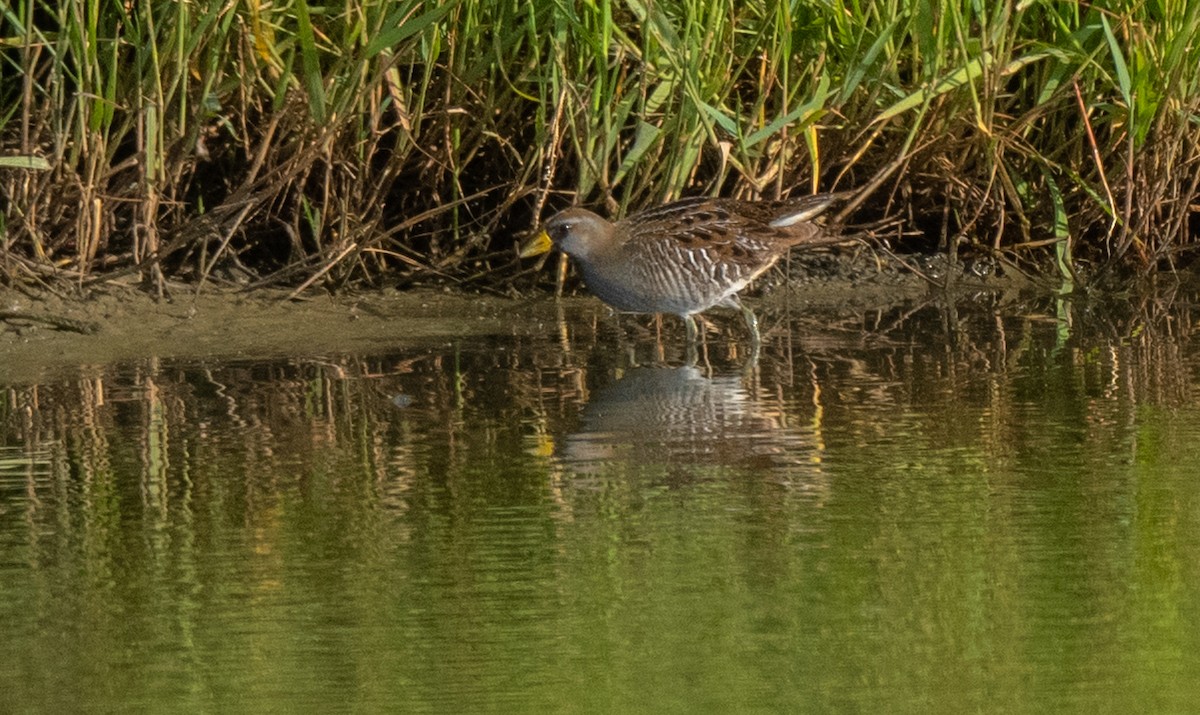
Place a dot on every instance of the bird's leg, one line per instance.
(564, 334)
(751, 323)
(659, 350)
(690, 323)
(750, 369)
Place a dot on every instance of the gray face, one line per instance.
(576, 232)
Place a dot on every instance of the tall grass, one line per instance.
(331, 143)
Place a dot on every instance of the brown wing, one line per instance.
(744, 235)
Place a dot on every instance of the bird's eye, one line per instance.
(560, 231)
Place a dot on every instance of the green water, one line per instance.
(919, 510)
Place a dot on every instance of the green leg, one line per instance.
(752, 324)
(690, 323)
(691, 353)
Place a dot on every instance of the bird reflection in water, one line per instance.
(678, 417)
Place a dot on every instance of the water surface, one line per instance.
(932, 507)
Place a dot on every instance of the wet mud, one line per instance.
(47, 329)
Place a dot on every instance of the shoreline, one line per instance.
(220, 323)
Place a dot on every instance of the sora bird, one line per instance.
(683, 257)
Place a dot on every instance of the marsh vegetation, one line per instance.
(303, 144)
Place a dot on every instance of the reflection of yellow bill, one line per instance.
(543, 446)
(537, 246)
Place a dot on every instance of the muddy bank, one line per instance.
(44, 330)
(121, 323)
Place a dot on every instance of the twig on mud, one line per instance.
(328, 266)
(83, 327)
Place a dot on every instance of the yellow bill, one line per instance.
(538, 245)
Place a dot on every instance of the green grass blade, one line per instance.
(33, 163)
(1118, 57)
(310, 63)
(647, 135)
(723, 120)
(959, 77)
(805, 111)
(401, 25)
